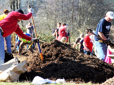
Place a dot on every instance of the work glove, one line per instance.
(30, 10)
(35, 40)
(107, 42)
(112, 45)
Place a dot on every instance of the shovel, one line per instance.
(40, 51)
(111, 44)
(36, 36)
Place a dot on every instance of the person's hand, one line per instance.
(107, 42)
(112, 45)
(56, 30)
(88, 50)
(30, 10)
(35, 40)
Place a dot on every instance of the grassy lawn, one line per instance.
(27, 83)
(15, 83)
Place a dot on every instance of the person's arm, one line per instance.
(63, 28)
(79, 45)
(32, 30)
(84, 44)
(27, 26)
(54, 32)
(102, 35)
(74, 45)
(22, 16)
(100, 30)
(31, 35)
(20, 33)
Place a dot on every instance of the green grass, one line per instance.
(29, 83)
(15, 83)
(73, 84)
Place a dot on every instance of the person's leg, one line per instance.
(87, 52)
(17, 40)
(17, 44)
(2, 50)
(8, 43)
(94, 49)
(30, 48)
(101, 49)
(81, 50)
(33, 46)
(21, 47)
(27, 46)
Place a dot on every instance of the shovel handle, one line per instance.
(97, 36)
(111, 44)
(40, 51)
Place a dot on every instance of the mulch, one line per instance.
(63, 61)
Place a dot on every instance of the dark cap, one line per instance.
(19, 10)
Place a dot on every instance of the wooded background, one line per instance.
(78, 14)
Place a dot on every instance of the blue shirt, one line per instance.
(104, 27)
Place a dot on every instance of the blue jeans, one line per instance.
(87, 52)
(2, 50)
(8, 43)
(101, 50)
(17, 40)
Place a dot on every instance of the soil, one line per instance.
(63, 61)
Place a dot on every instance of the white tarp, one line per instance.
(39, 81)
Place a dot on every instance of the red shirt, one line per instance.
(10, 24)
(62, 33)
(88, 43)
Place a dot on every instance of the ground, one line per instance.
(63, 61)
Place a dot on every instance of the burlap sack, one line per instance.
(8, 64)
(13, 72)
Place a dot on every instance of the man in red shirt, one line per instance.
(10, 25)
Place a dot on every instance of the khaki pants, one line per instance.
(22, 45)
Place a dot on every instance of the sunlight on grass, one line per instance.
(28, 83)
(73, 84)
(15, 83)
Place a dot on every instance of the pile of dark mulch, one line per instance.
(62, 61)
(109, 81)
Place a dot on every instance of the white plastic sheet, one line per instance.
(39, 81)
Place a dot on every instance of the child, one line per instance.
(109, 52)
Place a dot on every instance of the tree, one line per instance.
(78, 14)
